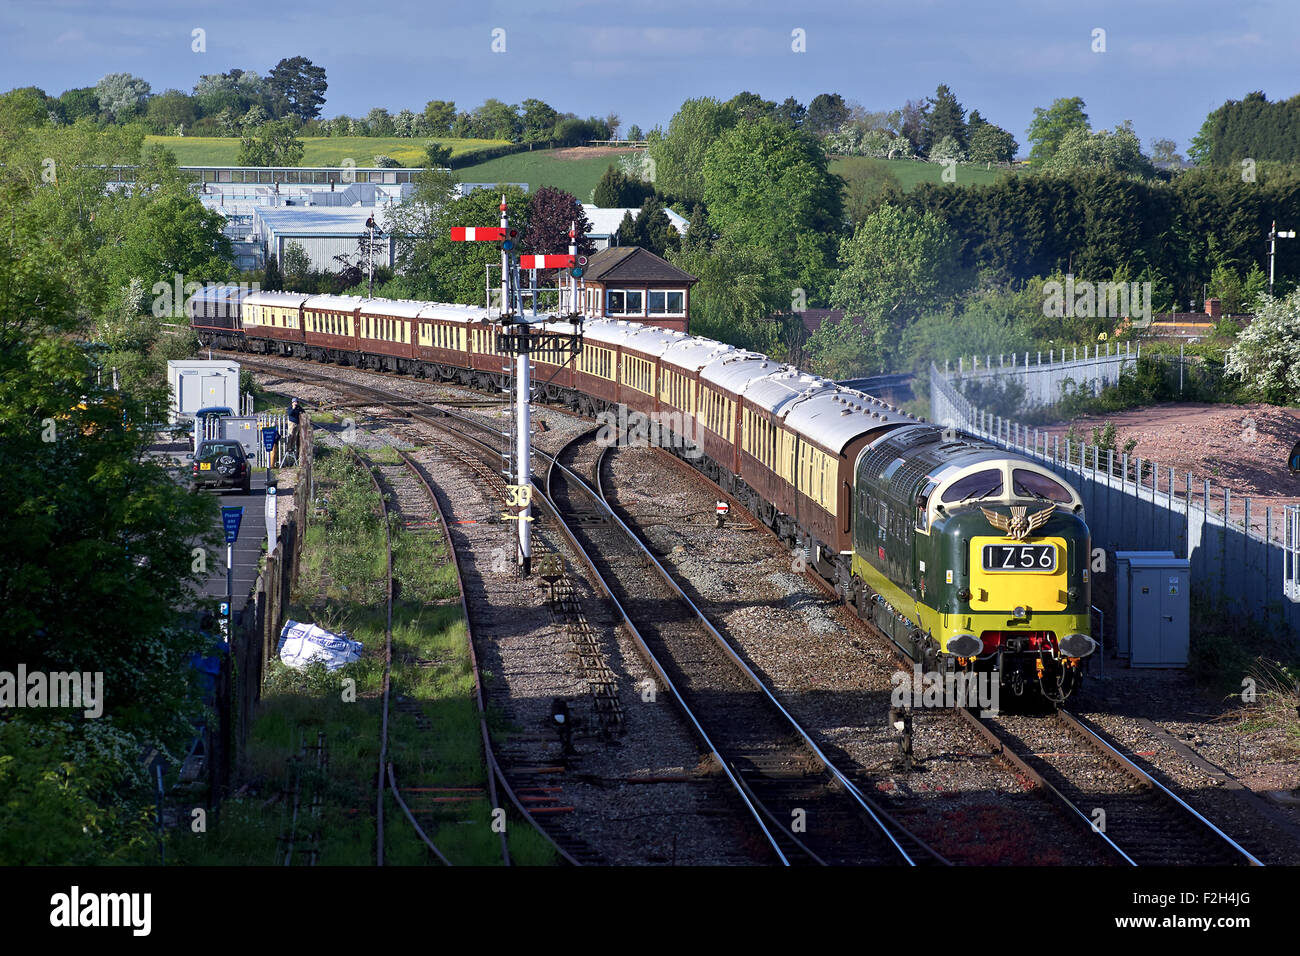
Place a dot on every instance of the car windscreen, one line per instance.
(223, 449)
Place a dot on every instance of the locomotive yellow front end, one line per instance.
(1023, 596)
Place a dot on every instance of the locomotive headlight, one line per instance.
(964, 594)
(1020, 612)
(1072, 593)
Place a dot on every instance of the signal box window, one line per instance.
(615, 303)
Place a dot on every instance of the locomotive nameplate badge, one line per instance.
(1020, 525)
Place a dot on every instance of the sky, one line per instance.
(1164, 64)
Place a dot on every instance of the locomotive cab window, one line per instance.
(980, 485)
(923, 507)
(1034, 485)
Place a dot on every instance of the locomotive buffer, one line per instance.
(517, 337)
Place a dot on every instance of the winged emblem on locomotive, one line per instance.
(1020, 524)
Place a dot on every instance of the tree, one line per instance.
(618, 190)
(496, 120)
(551, 212)
(90, 523)
(379, 122)
(991, 144)
(437, 155)
(679, 153)
(1119, 151)
(791, 112)
(946, 119)
(625, 235)
(297, 87)
(538, 121)
(825, 114)
(254, 119)
(1165, 152)
(947, 149)
(161, 229)
(652, 229)
(866, 183)
(740, 291)
(840, 350)
(612, 123)
(897, 264)
(272, 145)
(78, 103)
(22, 109)
(770, 186)
(914, 124)
(430, 264)
(169, 110)
(634, 133)
(122, 95)
(296, 265)
(404, 124)
(1051, 125)
(1266, 354)
(750, 106)
(438, 117)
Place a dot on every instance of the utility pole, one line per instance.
(1273, 237)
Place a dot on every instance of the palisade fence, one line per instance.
(258, 627)
(1250, 560)
(1044, 381)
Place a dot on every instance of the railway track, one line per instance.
(808, 810)
(1140, 821)
(1145, 822)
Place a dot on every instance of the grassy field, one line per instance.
(567, 169)
(544, 167)
(318, 150)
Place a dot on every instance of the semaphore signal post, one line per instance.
(517, 337)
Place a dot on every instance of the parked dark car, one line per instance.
(221, 464)
(204, 414)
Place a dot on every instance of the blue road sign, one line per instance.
(269, 436)
(230, 518)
